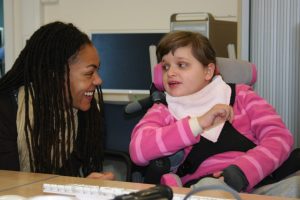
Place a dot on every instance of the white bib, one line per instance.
(195, 105)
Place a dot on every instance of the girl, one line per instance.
(224, 131)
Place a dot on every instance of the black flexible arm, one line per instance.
(213, 187)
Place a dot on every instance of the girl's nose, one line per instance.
(171, 71)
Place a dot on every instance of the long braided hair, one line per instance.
(43, 69)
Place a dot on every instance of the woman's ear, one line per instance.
(210, 71)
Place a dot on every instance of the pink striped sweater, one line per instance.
(160, 134)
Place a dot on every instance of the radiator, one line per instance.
(275, 49)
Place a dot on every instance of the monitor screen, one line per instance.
(125, 60)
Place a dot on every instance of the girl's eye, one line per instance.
(182, 65)
(165, 67)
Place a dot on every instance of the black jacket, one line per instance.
(9, 158)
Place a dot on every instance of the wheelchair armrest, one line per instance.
(117, 155)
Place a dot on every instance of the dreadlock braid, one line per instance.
(44, 61)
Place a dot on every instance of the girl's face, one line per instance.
(84, 77)
(183, 74)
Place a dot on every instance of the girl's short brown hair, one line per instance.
(202, 50)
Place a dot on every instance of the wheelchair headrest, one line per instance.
(232, 71)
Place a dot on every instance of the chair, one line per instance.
(118, 128)
(237, 71)
(120, 125)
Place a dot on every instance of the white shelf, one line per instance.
(123, 96)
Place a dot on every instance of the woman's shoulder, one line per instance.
(8, 101)
(8, 112)
(8, 107)
(8, 132)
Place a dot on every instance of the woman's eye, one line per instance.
(89, 74)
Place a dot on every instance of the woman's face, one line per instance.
(183, 74)
(84, 77)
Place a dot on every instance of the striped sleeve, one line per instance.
(266, 128)
(158, 134)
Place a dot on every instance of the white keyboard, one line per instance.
(92, 192)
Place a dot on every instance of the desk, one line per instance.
(13, 179)
(37, 181)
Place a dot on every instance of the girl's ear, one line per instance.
(210, 71)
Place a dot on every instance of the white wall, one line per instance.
(99, 15)
(21, 18)
(132, 14)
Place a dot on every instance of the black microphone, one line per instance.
(158, 192)
(139, 105)
(156, 96)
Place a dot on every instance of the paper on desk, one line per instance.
(52, 197)
(41, 197)
(12, 197)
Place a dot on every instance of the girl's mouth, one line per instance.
(173, 83)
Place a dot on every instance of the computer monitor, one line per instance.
(125, 63)
(118, 127)
(1, 36)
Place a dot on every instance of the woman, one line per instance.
(50, 121)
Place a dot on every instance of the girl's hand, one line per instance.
(218, 175)
(216, 115)
(103, 175)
